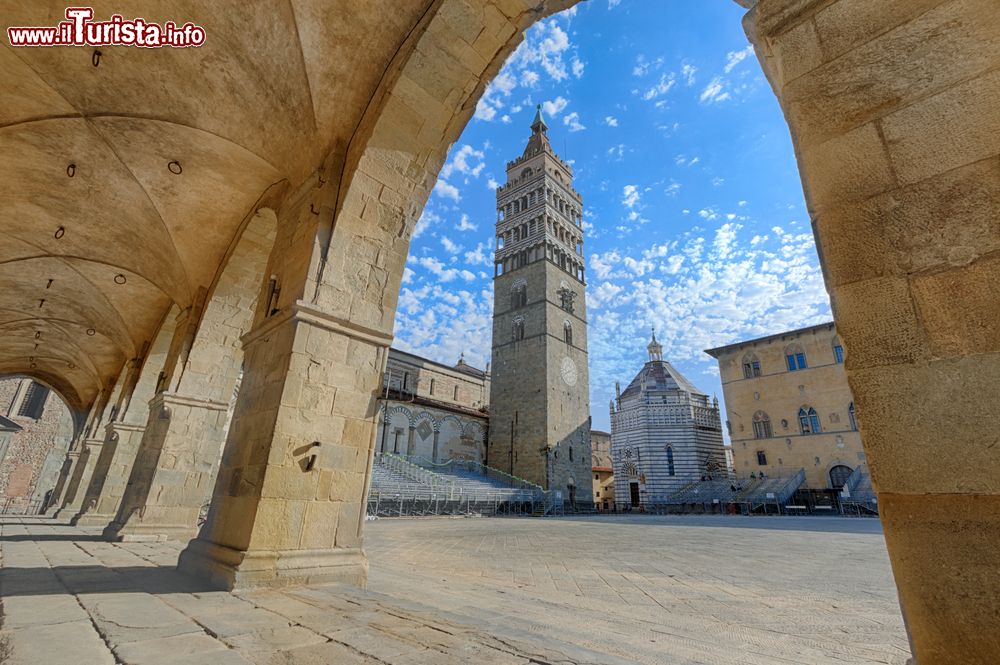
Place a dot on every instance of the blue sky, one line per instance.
(694, 216)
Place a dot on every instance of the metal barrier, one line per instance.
(16, 506)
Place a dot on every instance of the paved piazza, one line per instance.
(598, 590)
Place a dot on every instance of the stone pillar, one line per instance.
(172, 476)
(410, 440)
(893, 108)
(110, 477)
(76, 488)
(62, 485)
(434, 450)
(310, 389)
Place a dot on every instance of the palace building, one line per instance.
(789, 407)
(665, 434)
(539, 392)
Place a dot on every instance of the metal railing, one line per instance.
(404, 467)
(852, 480)
(17, 506)
(506, 479)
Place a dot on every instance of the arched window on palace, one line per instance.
(751, 366)
(761, 458)
(838, 352)
(839, 475)
(852, 417)
(670, 461)
(795, 357)
(809, 421)
(762, 426)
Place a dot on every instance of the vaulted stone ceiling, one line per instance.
(100, 235)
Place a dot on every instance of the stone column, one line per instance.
(62, 485)
(434, 449)
(110, 477)
(172, 476)
(893, 108)
(310, 388)
(410, 440)
(76, 489)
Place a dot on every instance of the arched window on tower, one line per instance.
(751, 366)
(762, 426)
(568, 332)
(518, 329)
(518, 294)
(795, 357)
(852, 417)
(670, 462)
(809, 420)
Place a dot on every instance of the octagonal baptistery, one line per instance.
(665, 434)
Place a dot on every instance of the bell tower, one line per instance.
(540, 394)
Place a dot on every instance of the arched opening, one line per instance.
(36, 431)
(883, 130)
(839, 475)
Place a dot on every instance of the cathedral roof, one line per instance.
(661, 376)
(466, 368)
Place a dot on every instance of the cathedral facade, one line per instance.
(539, 394)
(433, 411)
(665, 434)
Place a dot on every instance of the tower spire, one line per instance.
(538, 124)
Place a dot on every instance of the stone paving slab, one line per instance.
(597, 591)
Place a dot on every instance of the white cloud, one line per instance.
(577, 67)
(467, 161)
(427, 219)
(573, 122)
(661, 88)
(554, 107)
(630, 196)
(688, 71)
(450, 246)
(617, 151)
(611, 121)
(715, 91)
(613, 3)
(529, 78)
(442, 324)
(479, 255)
(465, 225)
(448, 191)
(734, 58)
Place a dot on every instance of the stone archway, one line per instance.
(892, 110)
(176, 461)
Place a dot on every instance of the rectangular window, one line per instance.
(34, 401)
(838, 354)
(761, 458)
(432, 386)
(456, 394)
(796, 361)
